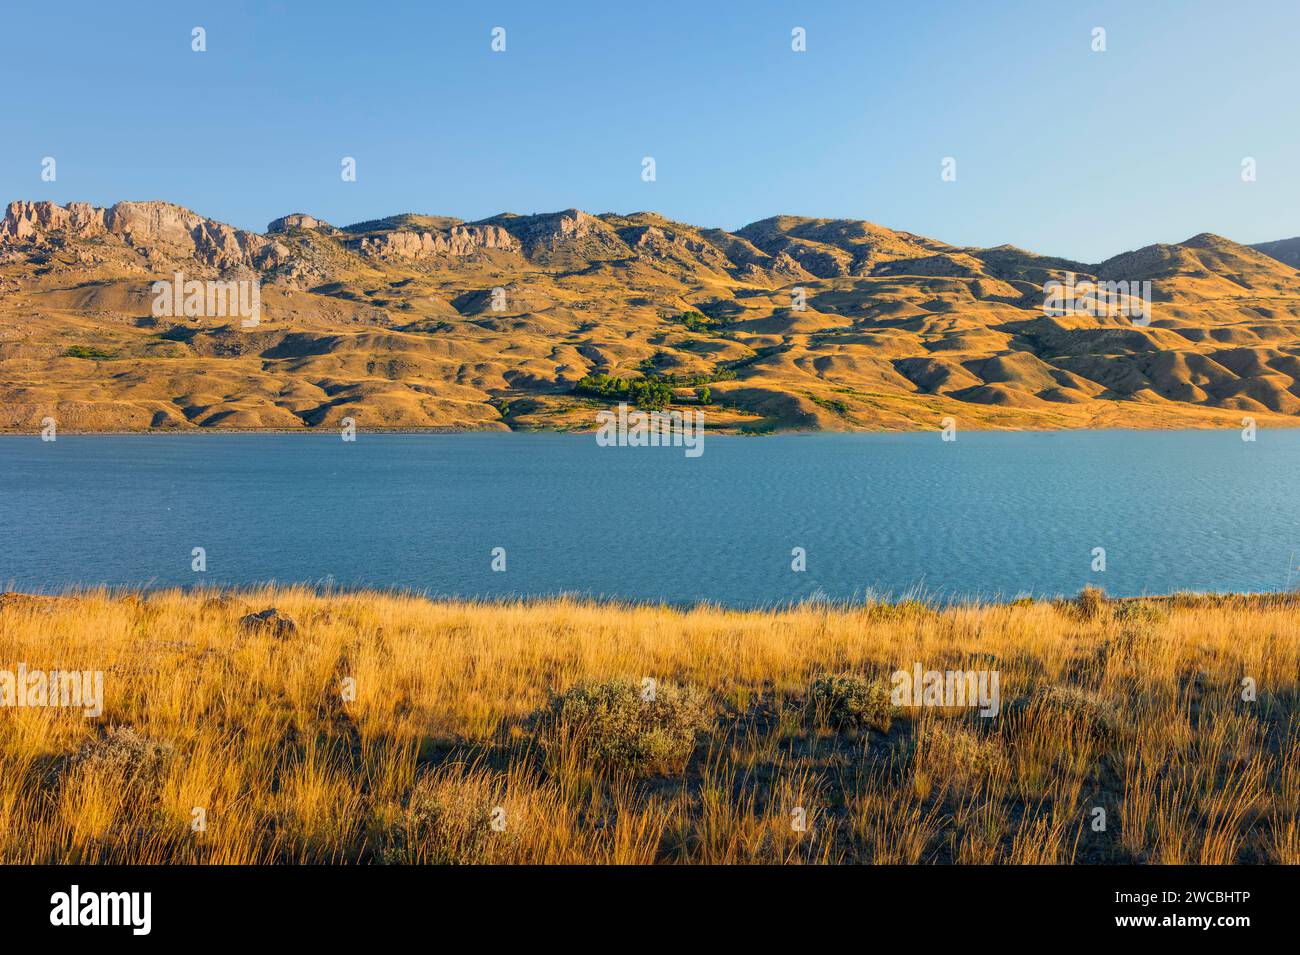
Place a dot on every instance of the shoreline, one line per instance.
(1272, 599)
(728, 432)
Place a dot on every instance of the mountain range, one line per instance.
(421, 321)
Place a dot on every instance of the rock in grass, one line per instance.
(269, 621)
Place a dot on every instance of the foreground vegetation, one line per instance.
(366, 727)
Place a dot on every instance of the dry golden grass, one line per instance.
(1134, 708)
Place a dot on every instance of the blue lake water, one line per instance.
(989, 515)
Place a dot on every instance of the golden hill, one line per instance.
(420, 321)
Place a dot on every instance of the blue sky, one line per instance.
(1059, 149)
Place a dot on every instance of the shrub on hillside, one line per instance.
(1140, 612)
(698, 322)
(652, 392)
(617, 725)
(1091, 602)
(133, 760)
(948, 747)
(448, 821)
(847, 701)
(1078, 707)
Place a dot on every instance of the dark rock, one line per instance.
(269, 621)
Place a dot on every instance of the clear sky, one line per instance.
(1059, 149)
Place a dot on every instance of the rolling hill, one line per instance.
(423, 321)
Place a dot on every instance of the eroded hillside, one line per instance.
(418, 321)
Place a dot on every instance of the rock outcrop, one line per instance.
(161, 228)
(298, 220)
(458, 241)
(270, 622)
(571, 233)
(30, 221)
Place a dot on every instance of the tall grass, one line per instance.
(397, 729)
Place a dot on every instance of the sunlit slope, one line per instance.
(420, 321)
